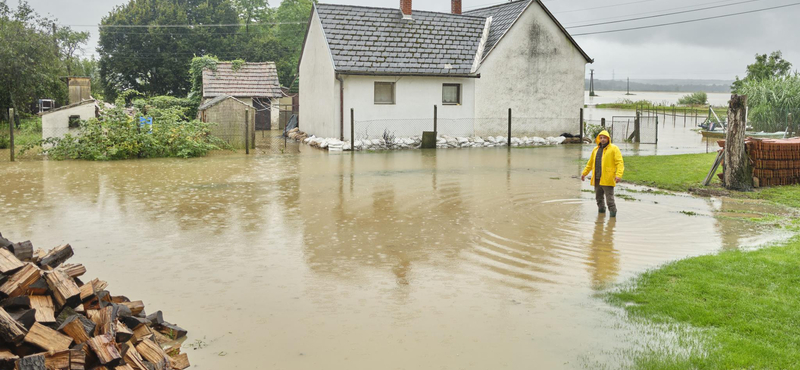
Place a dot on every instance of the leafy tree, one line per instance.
(293, 16)
(765, 67)
(69, 43)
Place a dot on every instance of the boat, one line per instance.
(719, 134)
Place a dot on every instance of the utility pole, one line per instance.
(629, 86)
(591, 85)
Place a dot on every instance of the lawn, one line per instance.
(673, 172)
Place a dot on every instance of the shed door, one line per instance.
(263, 121)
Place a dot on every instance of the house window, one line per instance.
(384, 93)
(74, 121)
(451, 94)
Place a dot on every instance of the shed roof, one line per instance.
(258, 80)
(73, 105)
(217, 100)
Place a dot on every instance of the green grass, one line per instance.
(30, 131)
(784, 195)
(673, 172)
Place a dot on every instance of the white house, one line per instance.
(66, 120)
(391, 66)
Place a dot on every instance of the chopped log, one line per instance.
(9, 262)
(64, 289)
(106, 320)
(23, 250)
(123, 367)
(135, 360)
(18, 283)
(67, 312)
(156, 318)
(16, 302)
(47, 338)
(5, 243)
(74, 328)
(136, 307)
(106, 350)
(74, 271)
(77, 359)
(123, 334)
(88, 290)
(38, 288)
(161, 338)
(152, 352)
(6, 354)
(10, 330)
(57, 256)
(34, 362)
(119, 299)
(57, 360)
(132, 322)
(122, 310)
(45, 311)
(142, 332)
(171, 330)
(25, 317)
(180, 361)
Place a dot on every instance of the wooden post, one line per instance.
(247, 131)
(352, 130)
(738, 174)
(603, 122)
(637, 124)
(435, 117)
(509, 128)
(11, 130)
(656, 130)
(253, 132)
(695, 117)
(581, 124)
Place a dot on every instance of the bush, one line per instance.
(188, 107)
(771, 101)
(698, 98)
(115, 135)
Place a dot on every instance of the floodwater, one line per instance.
(453, 259)
(662, 98)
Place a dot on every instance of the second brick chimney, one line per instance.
(405, 7)
(455, 6)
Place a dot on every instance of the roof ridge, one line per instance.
(398, 9)
(497, 5)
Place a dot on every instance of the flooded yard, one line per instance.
(450, 259)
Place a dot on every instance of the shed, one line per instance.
(254, 84)
(61, 121)
(228, 113)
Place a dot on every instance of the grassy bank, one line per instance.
(30, 131)
(742, 307)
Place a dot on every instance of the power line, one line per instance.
(181, 25)
(617, 17)
(665, 14)
(603, 7)
(686, 21)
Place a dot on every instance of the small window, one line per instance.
(451, 94)
(74, 121)
(384, 93)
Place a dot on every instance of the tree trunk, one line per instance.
(738, 172)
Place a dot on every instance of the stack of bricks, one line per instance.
(775, 162)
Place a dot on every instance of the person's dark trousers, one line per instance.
(606, 192)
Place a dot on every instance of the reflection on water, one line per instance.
(422, 259)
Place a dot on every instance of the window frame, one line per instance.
(458, 94)
(375, 93)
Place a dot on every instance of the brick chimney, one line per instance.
(455, 6)
(405, 7)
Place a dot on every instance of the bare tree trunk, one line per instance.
(738, 172)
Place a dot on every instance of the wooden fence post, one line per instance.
(582, 133)
(509, 127)
(435, 118)
(246, 131)
(11, 114)
(352, 130)
(738, 174)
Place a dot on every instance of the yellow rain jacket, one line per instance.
(613, 166)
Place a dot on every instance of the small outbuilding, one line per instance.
(254, 84)
(229, 115)
(67, 119)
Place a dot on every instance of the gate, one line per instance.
(624, 129)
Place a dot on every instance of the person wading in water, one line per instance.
(607, 165)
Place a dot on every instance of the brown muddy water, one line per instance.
(452, 259)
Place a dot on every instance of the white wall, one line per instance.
(412, 112)
(275, 113)
(56, 124)
(319, 101)
(537, 72)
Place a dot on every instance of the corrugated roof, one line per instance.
(251, 80)
(380, 41)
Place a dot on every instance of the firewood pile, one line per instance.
(51, 320)
(775, 162)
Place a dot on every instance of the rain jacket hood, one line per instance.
(613, 165)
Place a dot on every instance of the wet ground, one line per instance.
(453, 259)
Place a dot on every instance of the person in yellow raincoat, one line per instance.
(607, 166)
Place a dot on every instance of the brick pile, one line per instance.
(775, 162)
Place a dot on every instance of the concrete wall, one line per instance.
(56, 124)
(412, 112)
(537, 72)
(275, 113)
(229, 117)
(319, 92)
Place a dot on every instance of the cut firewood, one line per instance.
(45, 311)
(73, 327)
(135, 306)
(5, 243)
(123, 367)
(33, 362)
(123, 311)
(77, 359)
(106, 350)
(64, 289)
(10, 330)
(142, 332)
(26, 317)
(156, 318)
(16, 302)
(74, 271)
(57, 360)
(132, 322)
(6, 354)
(152, 352)
(106, 320)
(57, 256)
(38, 288)
(67, 313)
(18, 282)
(135, 360)
(161, 338)
(180, 361)
(47, 338)
(23, 250)
(123, 334)
(9, 262)
(119, 299)
(171, 331)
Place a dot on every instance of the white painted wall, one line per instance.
(412, 112)
(319, 100)
(537, 72)
(275, 113)
(56, 124)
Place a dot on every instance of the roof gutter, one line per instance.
(341, 107)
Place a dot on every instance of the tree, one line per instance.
(293, 18)
(765, 67)
(69, 43)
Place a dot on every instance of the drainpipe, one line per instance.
(341, 107)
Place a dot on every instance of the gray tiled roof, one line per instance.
(251, 80)
(503, 16)
(380, 41)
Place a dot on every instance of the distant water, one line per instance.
(663, 98)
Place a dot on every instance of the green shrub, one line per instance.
(771, 101)
(698, 98)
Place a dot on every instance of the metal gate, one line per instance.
(624, 129)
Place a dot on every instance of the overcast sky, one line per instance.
(711, 49)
